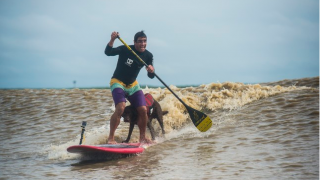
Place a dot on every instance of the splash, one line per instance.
(209, 98)
(92, 136)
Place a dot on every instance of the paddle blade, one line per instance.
(199, 119)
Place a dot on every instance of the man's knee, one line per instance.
(120, 108)
(142, 110)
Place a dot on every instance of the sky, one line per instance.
(51, 44)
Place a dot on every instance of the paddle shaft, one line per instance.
(154, 73)
(199, 119)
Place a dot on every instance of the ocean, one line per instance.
(260, 131)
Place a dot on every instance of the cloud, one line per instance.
(191, 42)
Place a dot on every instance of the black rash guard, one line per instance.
(129, 66)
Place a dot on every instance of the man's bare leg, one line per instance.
(142, 124)
(115, 121)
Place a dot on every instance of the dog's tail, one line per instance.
(164, 112)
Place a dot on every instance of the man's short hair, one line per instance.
(140, 34)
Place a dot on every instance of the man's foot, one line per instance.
(146, 141)
(111, 142)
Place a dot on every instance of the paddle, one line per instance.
(199, 119)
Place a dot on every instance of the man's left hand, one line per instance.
(150, 69)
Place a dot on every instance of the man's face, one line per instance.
(141, 44)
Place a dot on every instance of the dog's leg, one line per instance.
(160, 120)
(158, 113)
(130, 132)
(151, 130)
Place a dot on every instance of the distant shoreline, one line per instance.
(178, 86)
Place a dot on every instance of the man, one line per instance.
(124, 84)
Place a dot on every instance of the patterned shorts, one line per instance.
(132, 92)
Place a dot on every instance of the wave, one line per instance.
(218, 96)
(223, 98)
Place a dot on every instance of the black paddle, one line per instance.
(199, 119)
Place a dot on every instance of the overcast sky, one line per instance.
(50, 44)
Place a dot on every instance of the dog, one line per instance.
(154, 110)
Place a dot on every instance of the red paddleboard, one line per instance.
(123, 148)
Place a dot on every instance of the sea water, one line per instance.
(260, 131)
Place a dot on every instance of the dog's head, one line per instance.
(129, 114)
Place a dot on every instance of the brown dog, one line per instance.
(130, 114)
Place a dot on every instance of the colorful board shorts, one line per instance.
(132, 92)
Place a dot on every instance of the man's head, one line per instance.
(140, 41)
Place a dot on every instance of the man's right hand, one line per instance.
(114, 36)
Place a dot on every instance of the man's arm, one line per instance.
(114, 36)
(150, 67)
(150, 70)
(109, 51)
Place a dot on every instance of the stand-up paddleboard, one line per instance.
(123, 148)
(105, 151)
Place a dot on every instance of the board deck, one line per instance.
(122, 148)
